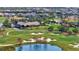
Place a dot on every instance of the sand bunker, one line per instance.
(74, 45)
(36, 33)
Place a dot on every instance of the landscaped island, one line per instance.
(54, 29)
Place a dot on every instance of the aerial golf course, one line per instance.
(66, 42)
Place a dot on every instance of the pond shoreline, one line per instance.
(64, 47)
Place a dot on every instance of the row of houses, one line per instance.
(25, 24)
(21, 22)
(21, 25)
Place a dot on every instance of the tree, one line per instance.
(55, 27)
(50, 28)
(6, 23)
(62, 28)
(73, 30)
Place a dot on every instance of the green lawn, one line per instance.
(2, 19)
(25, 34)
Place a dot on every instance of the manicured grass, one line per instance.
(25, 34)
(2, 19)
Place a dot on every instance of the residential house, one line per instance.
(25, 24)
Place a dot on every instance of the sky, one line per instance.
(39, 3)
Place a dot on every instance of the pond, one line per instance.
(38, 47)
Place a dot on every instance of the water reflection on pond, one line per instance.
(32, 47)
(38, 47)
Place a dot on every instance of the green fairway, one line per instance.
(25, 34)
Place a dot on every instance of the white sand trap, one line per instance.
(33, 34)
(71, 45)
(32, 40)
(24, 41)
(48, 40)
(40, 33)
(42, 38)
(36, 33)
(76, 46)
(7, 33)
(54, 40)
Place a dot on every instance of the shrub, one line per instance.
(73, 30)
(6, 23)
(54, 27)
